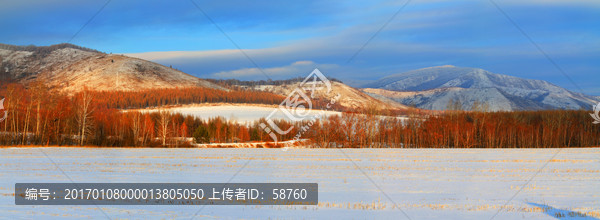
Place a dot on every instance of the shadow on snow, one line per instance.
(561, 213)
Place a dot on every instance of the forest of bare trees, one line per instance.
(177, 96)
(460, 129)
(37, 116)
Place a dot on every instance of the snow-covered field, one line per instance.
(239, 113)
(353, 183)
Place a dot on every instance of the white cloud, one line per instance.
(169, 55)
(296, 68)
(584, 3)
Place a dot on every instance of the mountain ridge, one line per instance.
(431, 88)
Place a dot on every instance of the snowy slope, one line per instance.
(239, 113)
(71, 68)
(349, 97)
(434, 87)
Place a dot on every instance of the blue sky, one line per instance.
(290, 38)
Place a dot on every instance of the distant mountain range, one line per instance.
(435, 87)
(69, 68)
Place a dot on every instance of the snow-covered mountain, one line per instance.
(70, 68)
(349, 97)
(436, 87)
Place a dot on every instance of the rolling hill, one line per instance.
(350, 97)
(70, 68)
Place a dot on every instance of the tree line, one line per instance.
(459, 129)
(177, 96)
(45, 50)
(38, 116)
(251, 83)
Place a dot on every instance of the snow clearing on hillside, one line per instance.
(242, 113)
